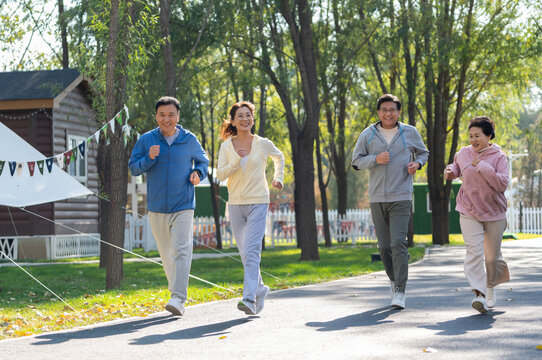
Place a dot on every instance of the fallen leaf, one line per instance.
(222, 337)
(539, 347)
(430, 350)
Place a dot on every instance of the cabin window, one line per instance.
(78, 168)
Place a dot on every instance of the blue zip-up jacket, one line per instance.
(168, 176)
(389, 182)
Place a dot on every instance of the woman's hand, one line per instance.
(276, 185)
(448, 174)
(243, 152)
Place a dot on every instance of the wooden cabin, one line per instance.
(52, 111)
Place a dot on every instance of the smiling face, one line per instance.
(243, 119)
(478, 139)
(167, 117)
(388, 114)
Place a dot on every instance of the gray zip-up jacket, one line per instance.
(389, 182)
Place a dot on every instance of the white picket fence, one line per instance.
(8, 245)
(531, 220)
(76, 245)
(355, 226)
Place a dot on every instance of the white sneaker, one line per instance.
(399, 299)
(247, 306)
(175, 306)
(260, 299)
(491, 297)
(392, 289)
(479, 303)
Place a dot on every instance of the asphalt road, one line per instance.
(345, 319)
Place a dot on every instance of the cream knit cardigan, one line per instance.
(248, 185)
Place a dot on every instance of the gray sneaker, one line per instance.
(260, 299)
(247, 306)
(175, 306)
(398, 302)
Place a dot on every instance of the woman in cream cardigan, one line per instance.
(242, 160)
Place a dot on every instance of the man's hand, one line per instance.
(412, 167)
(194, 178)
(383, 158)
(154, 151)
(276, 185)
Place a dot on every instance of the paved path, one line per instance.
(345, 319)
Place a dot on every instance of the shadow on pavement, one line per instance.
(197, 332)
(103, 331)
(367, 318)
(465, 324)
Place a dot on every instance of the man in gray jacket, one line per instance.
(393, 152)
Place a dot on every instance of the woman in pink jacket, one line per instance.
(482, 205)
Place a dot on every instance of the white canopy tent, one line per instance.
(21, 189)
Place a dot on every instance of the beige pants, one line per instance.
(483, 241)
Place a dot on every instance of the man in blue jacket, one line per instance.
(393, 152)
(174, 162)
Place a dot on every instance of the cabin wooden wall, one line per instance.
(76, 117)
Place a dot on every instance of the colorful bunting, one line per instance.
(40, 164)
(82, 149)
(67, 157)
(31, 167)
(12, 167)
(60, 160)
(112, 125)
(49, 163)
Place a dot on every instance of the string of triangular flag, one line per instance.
(67, 157)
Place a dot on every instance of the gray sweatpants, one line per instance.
(174, 235)
(248, 226)
(391, 227)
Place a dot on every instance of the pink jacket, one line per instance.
(481, 195)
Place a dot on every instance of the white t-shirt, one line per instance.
(388, 134)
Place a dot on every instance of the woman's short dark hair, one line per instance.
(227, 129)
(486, 124)
(388, 97)
(167, 100)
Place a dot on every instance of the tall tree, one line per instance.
(63, 35)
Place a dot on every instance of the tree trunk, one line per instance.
(63, 35)
(115, 94)
(323, 195)
(305, 205)
(103, 164)
(302, 38)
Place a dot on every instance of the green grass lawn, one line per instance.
(27, 308)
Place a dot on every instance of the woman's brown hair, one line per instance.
(227, 129)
